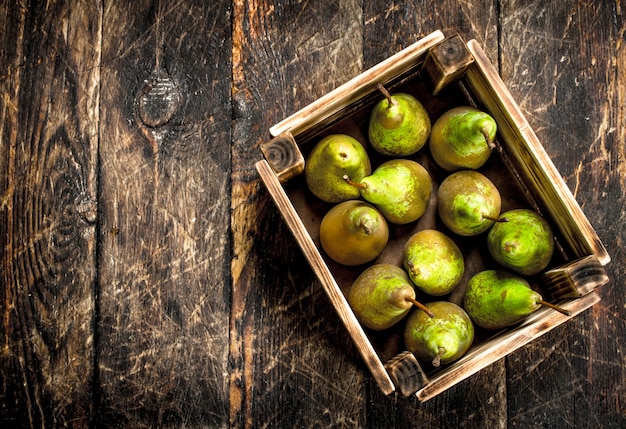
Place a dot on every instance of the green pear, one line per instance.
(433, 261)
(496, 299)
(440, 339)
(399, 125)
(523, 244)
(399, 188)
(381, 296)
(353, 232)
(333, 157)
(468, 202)
(462, 138)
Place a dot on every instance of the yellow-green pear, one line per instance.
(353, 232)
(433, 261)
(399, 124)
(468, 202)
(333, 157)
(462, 138)
(399, 188)
(524, 243)
(496, 299)
(442, 338)
(381, 296)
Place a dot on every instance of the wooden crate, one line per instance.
(441, 72)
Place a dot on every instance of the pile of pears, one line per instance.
(365, 200)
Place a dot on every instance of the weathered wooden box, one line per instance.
(441, 72)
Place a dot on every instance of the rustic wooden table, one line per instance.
(147, 279)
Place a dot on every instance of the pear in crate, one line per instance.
(353, 232)
(497, 299)
(333, 157)
(462, 138)
(381, 296)
(433, 261)
(399, 188)
(442, 338)
(399, 125)
(523, 244)
(468, 202)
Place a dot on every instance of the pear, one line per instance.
(433, 261)
(399, 188)
(468, 202)
(333, 157)
(353, 232)
(523, 244)
(440, 339)
(496, 299)
(399, 124)
(462, 138)
(381, 296)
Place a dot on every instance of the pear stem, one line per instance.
(366, 225)
(555, 307)
(437, 360)
(386, 93)
(421, 306)
(490, 143)
(351, 183)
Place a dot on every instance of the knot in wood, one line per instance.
(158, 101)
(87, 209)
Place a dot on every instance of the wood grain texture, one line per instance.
(345, 96)
(164, 260)
(49, 120)
(389, 28)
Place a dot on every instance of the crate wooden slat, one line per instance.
(576, 278)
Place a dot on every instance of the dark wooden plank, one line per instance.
(388, 28)
(48, 132)
(165, 243)
(562, 62)
(296, 364)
